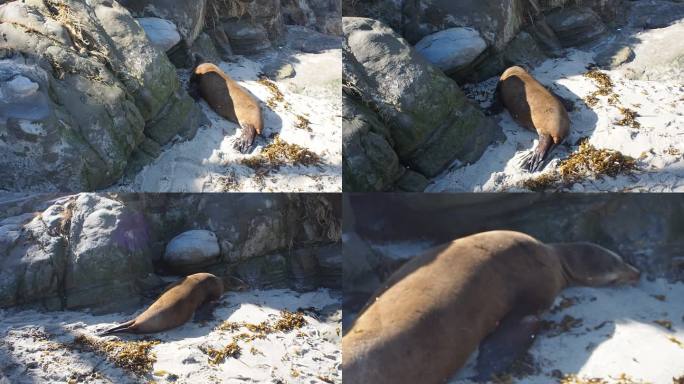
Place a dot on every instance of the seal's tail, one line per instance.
(121, 328)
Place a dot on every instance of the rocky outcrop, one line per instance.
(430, 122)
(81, 89)
(105, 251)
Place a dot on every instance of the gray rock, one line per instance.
(412, 182)
(369, 162)
(188, 16)
(191, 250)
(652, 14)
(431, 122)
(246, 38)
(96, 98)
(251, 26)
(163, 34)
(576, 26)
(83, 250)
(322, 15)
(452, 49)
(613, 56)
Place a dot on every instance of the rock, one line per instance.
(321, 15)
(251, 26)
(162, 33)
(575, 26)
(106, 251)
(412, 182)
(369, 162)
(431, 122)
(245, 38)
(192, 250)
(613, 56)
(188, 16)
(96, 99)
(652, 14)
(20, 86)
(452, 49)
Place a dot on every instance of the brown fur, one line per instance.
(175, 306)
(535, 108)
(436, 309)
(229, 100)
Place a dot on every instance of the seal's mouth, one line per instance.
(630, 276)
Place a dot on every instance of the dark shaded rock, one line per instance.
(576, 26)
(188, 16)
(412, 182)
(369, 162)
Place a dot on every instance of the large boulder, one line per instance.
(192, 250)
(85, 250)
(431, 123)
(188, 16)
(452, 49)
(81, 89)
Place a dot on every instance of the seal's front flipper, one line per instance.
(505, 345)
(244, 143)
(205, 312)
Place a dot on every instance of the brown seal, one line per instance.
(535, 108)
(486, 288)
(230, 100)
(175, 306)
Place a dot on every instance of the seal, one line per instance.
(230, 100)
(486, 289)
(175, 305)
(535, 108)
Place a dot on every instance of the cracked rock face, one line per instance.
(104, 251)
(81, 88)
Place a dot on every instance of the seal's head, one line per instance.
(592, 265)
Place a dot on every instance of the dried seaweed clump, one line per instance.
(590, 161)
(289, 321)
(280, 153)
(587, 161)
(621, 379)
(217, 356)
(667, 324)
(132, 356)
(276, 95)
(628, 118)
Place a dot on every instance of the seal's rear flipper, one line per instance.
(505, 345)
(535, 161)
(205, 312)
(121, 328)
(244, 143)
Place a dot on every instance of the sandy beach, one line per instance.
(40, 347)
(656, 143)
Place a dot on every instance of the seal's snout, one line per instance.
(633, 274)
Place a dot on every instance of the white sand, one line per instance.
(310, 354)
(209, 163)
(627, 340)
(658, 143)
